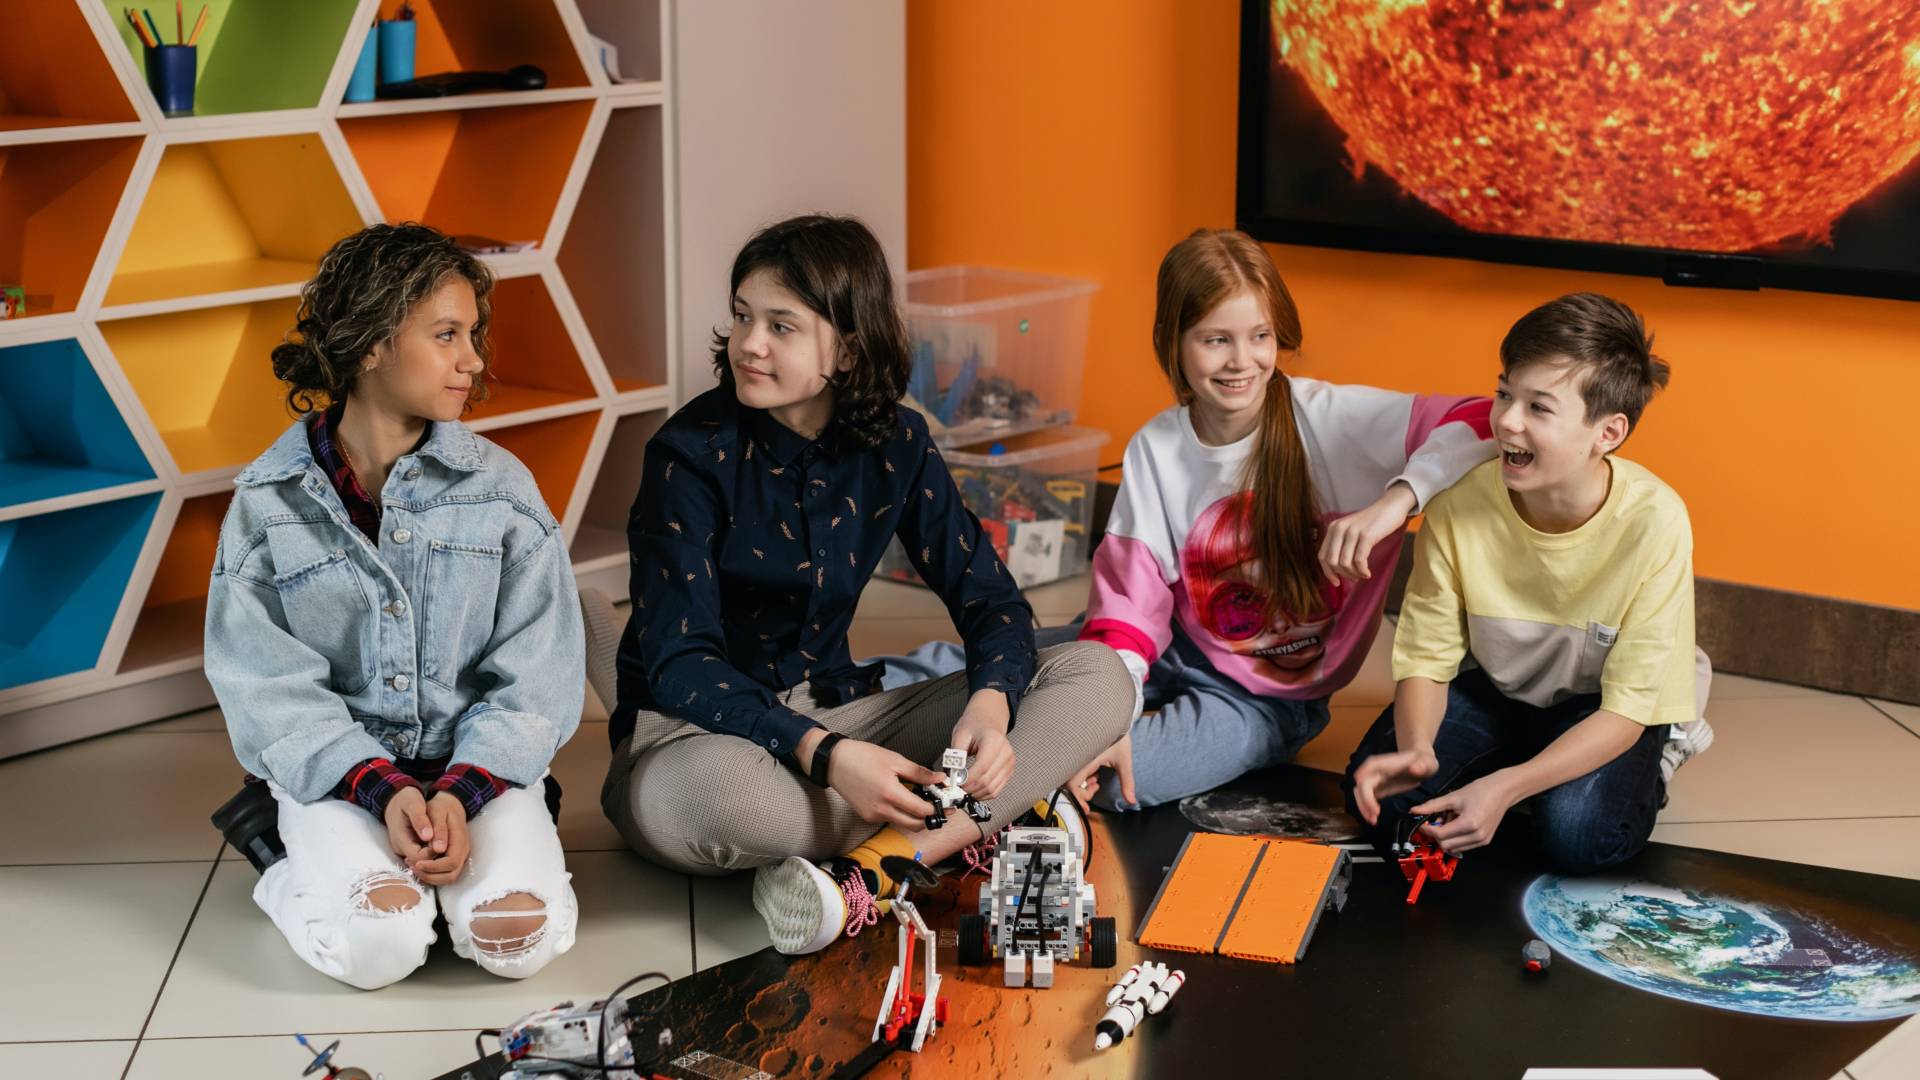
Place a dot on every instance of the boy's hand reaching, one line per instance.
(1347, 548)
(1474, 813)
(445, 857)
(1385, 775)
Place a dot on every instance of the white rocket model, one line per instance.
(1144, 990)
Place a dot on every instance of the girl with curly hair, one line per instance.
(744, 735)
(394, 635)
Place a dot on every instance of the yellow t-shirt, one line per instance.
(1606, 608)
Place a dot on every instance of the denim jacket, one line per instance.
(459, 634)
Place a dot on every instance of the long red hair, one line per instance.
(1203, 270)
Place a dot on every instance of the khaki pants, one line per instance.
(706, 803)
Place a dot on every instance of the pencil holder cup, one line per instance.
(396, 50)
(360, 86)
(170, 74)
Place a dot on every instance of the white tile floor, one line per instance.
(134, 950)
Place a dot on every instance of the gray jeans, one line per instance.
(701, 802)
(1207, 731)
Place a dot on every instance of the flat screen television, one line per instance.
(1737, 143)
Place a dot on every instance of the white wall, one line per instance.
(781, 109)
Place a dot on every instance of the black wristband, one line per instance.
(817, 772)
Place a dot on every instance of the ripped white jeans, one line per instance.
(337, 854)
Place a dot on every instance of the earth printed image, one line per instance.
(1722, 952)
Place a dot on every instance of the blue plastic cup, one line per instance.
(396, 50)
(170, 74)
(360, 86)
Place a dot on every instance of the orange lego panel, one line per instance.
(1281, 906)
(1200, 892)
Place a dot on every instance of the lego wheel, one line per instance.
(1106, 942)
(973, 940)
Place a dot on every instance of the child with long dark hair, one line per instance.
(745, 737)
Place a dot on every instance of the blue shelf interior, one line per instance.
(63, 575)
(59, 432)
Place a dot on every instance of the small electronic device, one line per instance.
(448, 83)
(581, 1040)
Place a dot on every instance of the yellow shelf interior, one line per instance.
(225, 216)
(206, 379)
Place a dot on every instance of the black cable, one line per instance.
(600, 1040)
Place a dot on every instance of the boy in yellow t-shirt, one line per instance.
(1545, 651)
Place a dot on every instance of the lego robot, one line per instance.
(906, 1018)
(1037, 910)
(948, 796)
(1420, 858)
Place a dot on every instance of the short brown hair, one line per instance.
(1599, 336)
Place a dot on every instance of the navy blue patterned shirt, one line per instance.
(751, 545)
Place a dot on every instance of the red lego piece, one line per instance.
(1421, 858)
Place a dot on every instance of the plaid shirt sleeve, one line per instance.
(372, 784)
(474, 786)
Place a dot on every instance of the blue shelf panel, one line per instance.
(59, 431)
(63, 575)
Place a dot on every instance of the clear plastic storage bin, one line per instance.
(1034, 498)
(995, 352)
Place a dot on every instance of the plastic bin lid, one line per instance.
(1041, 445)
(1015, 288)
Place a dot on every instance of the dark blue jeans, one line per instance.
(1586, 824)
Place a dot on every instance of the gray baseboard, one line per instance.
(96, 714)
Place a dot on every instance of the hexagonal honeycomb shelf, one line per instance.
(162, 258)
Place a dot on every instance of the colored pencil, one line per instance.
(198, 25)
(139, 30)
(153, 26)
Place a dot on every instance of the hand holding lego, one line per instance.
(445, 856)
(409, 830)
(1474, 814)
(982, 733)
(1348, 545)
(873, 780)
(1119, 758)
(1384, 775)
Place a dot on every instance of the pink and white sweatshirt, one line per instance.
(1177, 544)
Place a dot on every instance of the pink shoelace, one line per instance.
(979, 857)
(862, 909)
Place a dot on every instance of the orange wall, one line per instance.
(1061, 137)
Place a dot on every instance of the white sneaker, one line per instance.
(806, 907)
(1683, 742)
(1066, 815)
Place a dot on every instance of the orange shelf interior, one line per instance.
(172, 620)
(534, 362)
(494, 172)
(206, 379)
(491, 35)
(241, 214)
(52, 72)
(554, 450)
(56, 202)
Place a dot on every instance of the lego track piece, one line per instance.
(1286, 892)
(1198, 897)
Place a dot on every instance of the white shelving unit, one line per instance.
(170, 332)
